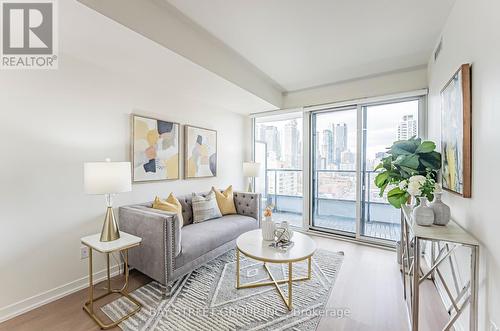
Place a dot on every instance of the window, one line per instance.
(278, 145)
(343, 147)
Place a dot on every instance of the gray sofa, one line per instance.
(168, 252)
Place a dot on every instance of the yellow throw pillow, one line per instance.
(171, 204)
(225, 200)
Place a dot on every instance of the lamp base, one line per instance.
(250, 186)
(110, 230)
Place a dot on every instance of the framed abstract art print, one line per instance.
(456, 133)
(200, 148)
(155, 149)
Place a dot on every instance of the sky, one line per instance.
(382, 124)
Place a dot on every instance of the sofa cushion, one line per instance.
(187, 206)
(225, 200)
(170, 204)
(200, 238)
(205, 208)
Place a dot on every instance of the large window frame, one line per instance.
(308, 145)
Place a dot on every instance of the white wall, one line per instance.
(472, 35)
(54, 121)
(374, 86)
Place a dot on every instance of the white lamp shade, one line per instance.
(107, 177)
(251, 169)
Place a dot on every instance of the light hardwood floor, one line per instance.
(368, 287)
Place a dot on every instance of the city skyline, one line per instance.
(335, 141)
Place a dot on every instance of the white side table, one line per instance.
(124, 243)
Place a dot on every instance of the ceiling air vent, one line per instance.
(438, 49)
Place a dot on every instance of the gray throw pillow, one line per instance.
(205, 208)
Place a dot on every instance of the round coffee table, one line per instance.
(253, 246)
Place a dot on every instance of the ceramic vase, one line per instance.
(441, 210)
(268, 227)
(423, 214)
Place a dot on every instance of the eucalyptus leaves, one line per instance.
(406, 159)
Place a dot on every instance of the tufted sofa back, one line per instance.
(247, 204)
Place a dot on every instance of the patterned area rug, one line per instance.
(207, 299)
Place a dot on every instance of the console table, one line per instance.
(451, 236)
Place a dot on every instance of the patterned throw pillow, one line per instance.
(205, 208)
(171, 204)
(225, 200)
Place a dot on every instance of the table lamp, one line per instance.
(107, 178)
(251, 170)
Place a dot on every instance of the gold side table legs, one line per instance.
(273, 281)
(89, 305)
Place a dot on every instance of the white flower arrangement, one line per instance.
(418, 186)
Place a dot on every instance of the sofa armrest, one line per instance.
(248, 204)
(161, 240)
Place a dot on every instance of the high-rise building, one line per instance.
(340, 142)
(407, 127)
(270, 134)
(327, 146)
(348, 160)
(289, 183)
(291, 145)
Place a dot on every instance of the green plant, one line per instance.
(406, 158)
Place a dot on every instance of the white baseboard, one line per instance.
(43, 298)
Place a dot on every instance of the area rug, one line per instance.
(207, 298)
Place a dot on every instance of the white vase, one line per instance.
(268, 227)
(423, 214)
(413, 202)
(441, 210)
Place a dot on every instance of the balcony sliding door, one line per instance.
(382, 125)
(334, 178)
(342, 193)
(343, 147)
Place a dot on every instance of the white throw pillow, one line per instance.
(205, 208)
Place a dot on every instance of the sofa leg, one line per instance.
(168, 292)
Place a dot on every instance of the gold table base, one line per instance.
(273, 281)
(89, 305)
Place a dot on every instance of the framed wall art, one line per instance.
(155, 149)
(456, 133)
(200, 148)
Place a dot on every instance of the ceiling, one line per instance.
(132, 57)
(301, 44)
